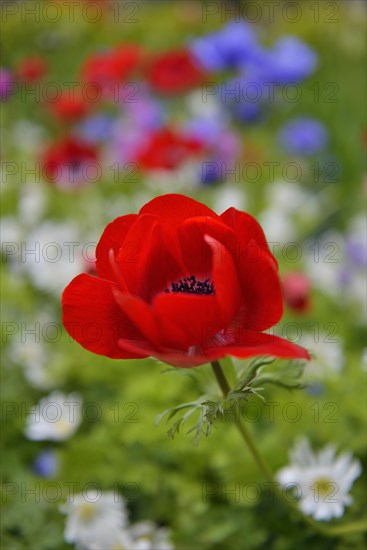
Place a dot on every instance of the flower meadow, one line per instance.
(183, 266)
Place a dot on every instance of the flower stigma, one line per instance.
(190, 285)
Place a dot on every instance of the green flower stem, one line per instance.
(334, 531)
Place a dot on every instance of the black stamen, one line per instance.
(190, 285)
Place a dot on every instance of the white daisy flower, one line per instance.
(11, 234)
(147, 536)
(110, 540)
(96, 520)
(51, 255)
(286, 196)
(55, 417)
(29, 349)
(279, 225)
(34, 359)
(321, 480)
(289, 207)
(323, 262)
(32, 203)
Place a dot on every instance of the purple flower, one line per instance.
(250, 96)
(249, 112)
(145, 113)
(303, 136)
(6, 84)
(126, 140)
(223, 144)
(224, 154)
(289, 60)
(46, 464)
(97, 128)
(228, 147)
(345, 277)
(205, 129)
(230, 47)
(356, 250)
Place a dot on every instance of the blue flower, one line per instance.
(249, 112)
(46, 464)
(230, 47)
(247, 96)
(205, 129)
(224, 152)
(316, 388)
(303, 136)
(97, 128)
(210, 172)
(289, 61)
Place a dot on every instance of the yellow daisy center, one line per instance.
(323, 486)
(87, 511)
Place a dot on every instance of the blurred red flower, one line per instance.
(31, 69)
(70, 163)
(297, 292)
(69, 106)
(182, 284)
(166, 149)
(106, 69)
(174, 72)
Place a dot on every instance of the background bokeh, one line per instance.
(305, 183)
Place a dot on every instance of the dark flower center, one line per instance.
(75, 164)
(190, 285)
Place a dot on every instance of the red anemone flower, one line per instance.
(174, 72)
(182, 284)
(113, 66)
(69, 106)
(166, 150)
(31, 69)
(297, 292)
(70, 163)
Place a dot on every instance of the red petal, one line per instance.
(145, 259)
(247, 230)
(263, 302)
(187, 319)
(204, 254)
(140, 314)
(260, 294)
(257, 344)
(112, 237)
(195, 249)
(225, 279)
(173, 209)
(92, 317)
(192, 358)
(250, 343)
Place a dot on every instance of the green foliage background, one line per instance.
(164, 479)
